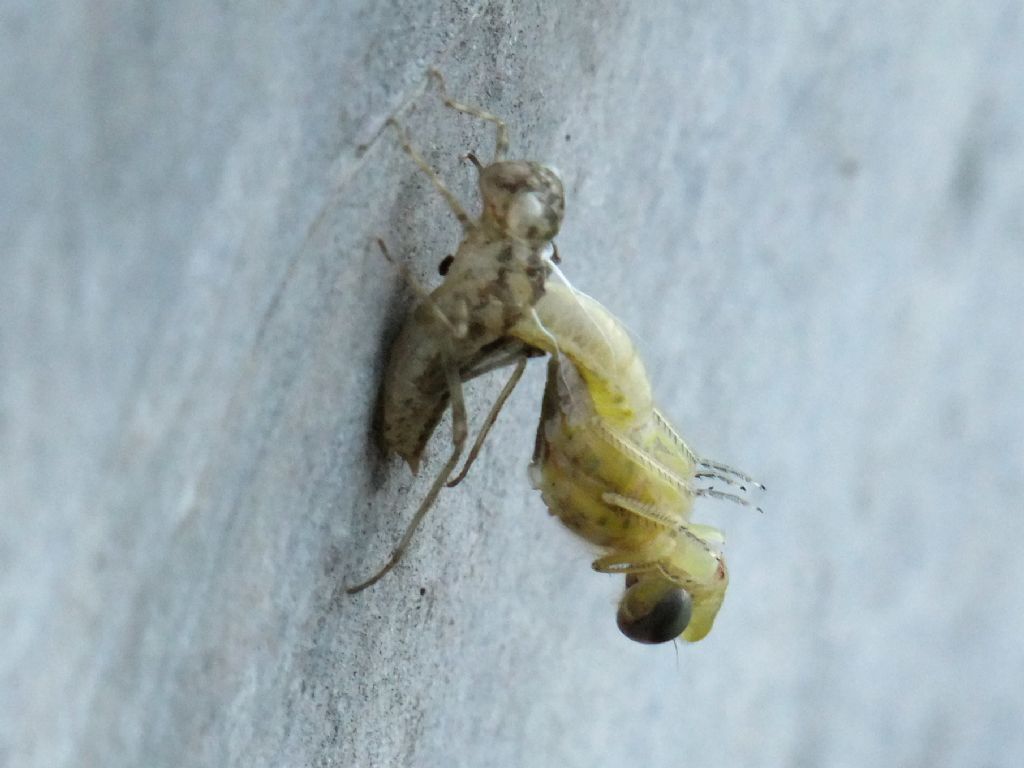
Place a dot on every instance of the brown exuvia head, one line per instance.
(522, 200)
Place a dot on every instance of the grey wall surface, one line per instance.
(811, 217)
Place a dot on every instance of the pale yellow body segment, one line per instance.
(608, 494)
(609, 466)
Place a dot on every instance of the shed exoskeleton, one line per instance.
(460, 330)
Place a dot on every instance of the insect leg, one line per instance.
(735, 498)
(649, 463)
(641, 458)
(458, 441)
(648, 512)
(652, 513)
(501, 140)
(507, 353)
(460, 213)
(626, 562)
(517, 374)
(457, 327)
(727, 470)
(721, 472)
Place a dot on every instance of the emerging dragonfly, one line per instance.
(607, 463)
(615, 472)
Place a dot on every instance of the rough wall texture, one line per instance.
(810, 215)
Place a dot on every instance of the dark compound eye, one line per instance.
(445, 264)
(665, 621)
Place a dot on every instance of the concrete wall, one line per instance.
(810, 215)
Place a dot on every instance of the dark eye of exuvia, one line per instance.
(445, 265)
(665, 621)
